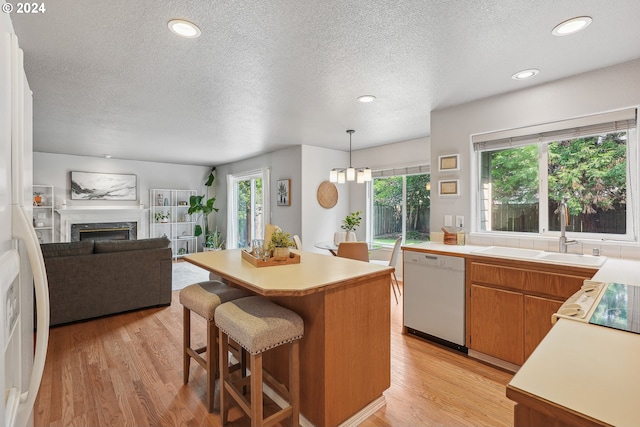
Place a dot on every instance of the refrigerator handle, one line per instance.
(23, 230)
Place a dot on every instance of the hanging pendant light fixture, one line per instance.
(341, 175)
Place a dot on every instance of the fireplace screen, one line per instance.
(104, 231)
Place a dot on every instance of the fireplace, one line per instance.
(104, 231)
(86, 217)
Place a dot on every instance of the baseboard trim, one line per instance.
(354, 421)
(508, 366)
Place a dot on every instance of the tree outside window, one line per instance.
(401, 207)
(589, 172)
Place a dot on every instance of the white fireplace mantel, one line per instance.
(89, 214)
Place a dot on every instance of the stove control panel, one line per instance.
(580, 305)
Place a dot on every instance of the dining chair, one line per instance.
(354, 250)
(297, 241)
(392, 263)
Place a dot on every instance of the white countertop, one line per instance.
(589, 369)
(314, 273)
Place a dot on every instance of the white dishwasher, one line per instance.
(434, 298)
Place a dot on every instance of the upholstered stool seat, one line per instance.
(203, 298)
(258, 325)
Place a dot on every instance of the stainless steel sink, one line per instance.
(542, 256)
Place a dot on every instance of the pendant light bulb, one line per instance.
(341, 177)
(333, 175)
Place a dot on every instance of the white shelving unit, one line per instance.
(168, 217)
(43, 216)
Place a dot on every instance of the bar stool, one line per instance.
(258, 325)
(203, 298)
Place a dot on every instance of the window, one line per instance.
(400, 206)
(523, 177)
(247, 207)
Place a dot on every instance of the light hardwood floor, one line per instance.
(126, 370)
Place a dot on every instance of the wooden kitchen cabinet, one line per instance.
(537, 320)
(509, 305)
(497, 323)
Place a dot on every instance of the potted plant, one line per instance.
(214, 241)
(162, 216)
(280, 244)
(350, 223)
(204, 206)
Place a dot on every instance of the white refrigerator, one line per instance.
(22, 274)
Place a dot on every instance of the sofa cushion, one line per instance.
(105, 246)
(54, 250)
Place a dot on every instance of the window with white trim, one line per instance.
(591, 162)
(400, 205)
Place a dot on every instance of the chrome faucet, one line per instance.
(564, 221)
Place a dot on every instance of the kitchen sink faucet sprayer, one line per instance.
(563, 209)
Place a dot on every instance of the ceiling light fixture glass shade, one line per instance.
(525, 74)
(342, 175)
(183, 28)
(366, 98)
(571, 26)
(351, 174)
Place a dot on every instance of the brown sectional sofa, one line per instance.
(90, 279)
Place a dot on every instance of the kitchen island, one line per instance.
(345, 354)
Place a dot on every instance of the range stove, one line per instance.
(613, 305)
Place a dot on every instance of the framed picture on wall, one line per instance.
(284, 192)
(103, 186)
(449, 188)
(450, 162)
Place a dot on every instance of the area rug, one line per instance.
(185, 274)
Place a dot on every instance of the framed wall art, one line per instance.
(449, 162)
(103, 186)
(284, 192)
(450, 188)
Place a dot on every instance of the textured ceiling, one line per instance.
(109, 77)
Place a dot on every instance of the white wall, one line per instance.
(284, 164)
(318, 223)
(598, 91)
(54, 169)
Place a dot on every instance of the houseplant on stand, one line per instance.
(199, 204)
(280, 244)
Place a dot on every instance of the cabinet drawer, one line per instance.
(504, 277)
(536, 281)
(560, 286)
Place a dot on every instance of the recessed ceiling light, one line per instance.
(366, 98)
(571, 26)
(525, 74)
(184, 28)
